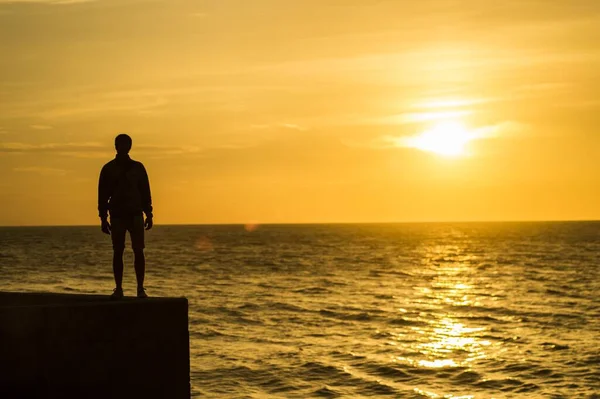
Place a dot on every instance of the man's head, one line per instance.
(123, 144)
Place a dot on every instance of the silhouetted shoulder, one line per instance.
(138, 164)
(109, 165)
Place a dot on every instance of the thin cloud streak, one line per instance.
(41, 127)
(500, 130)
(474, 134)
(44, 171)
(413, 117)
(291, 126)
(50, 2)
(49, 147)
(100, 150)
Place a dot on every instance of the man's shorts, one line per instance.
(121, 225)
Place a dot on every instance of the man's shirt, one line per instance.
(124, 189)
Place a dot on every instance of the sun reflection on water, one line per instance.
(432, 395)
(447, 339)
(439, 363)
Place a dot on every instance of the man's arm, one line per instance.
(145, 193)
(103, 197)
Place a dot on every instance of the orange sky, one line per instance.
(273, 111)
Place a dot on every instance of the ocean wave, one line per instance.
(207, 333)
(487, 319)
(395, 373)
(311, 371)
(288, 307)
(362, 316)
(554, 347)
(313, 291)
(327, 392)
(196, 320)
(466, 377)
(507, 384)
(402, 321)
(376, 388)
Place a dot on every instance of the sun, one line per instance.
(445, 138)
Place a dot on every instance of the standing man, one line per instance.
(124, 193)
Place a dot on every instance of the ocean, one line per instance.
(456, 310)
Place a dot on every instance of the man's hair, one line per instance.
(123, 142)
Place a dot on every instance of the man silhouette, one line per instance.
(124, 193)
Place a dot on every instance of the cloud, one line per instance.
(504, 129)
(41, 127)
(44, 171)
(452, 103)
(414, 117)
(454, 136)
(50, 147)
(106, 105)
(92, 149)
(166, 150)
(566, 104)
(431, 110)
(51, 2)
(291, 126)
(83, 101)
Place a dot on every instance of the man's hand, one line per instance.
(105, 226)
(148, 223)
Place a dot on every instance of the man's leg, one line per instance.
(136, 231)
(118, 267)
(117, 234)
(140, 266)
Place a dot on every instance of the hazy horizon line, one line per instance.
(335, 223)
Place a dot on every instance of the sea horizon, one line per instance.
(253, 223)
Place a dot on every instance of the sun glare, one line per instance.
(445, 138)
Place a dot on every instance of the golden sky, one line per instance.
(284, 111)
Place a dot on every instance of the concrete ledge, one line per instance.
(87, 346)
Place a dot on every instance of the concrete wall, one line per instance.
(85, 346)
